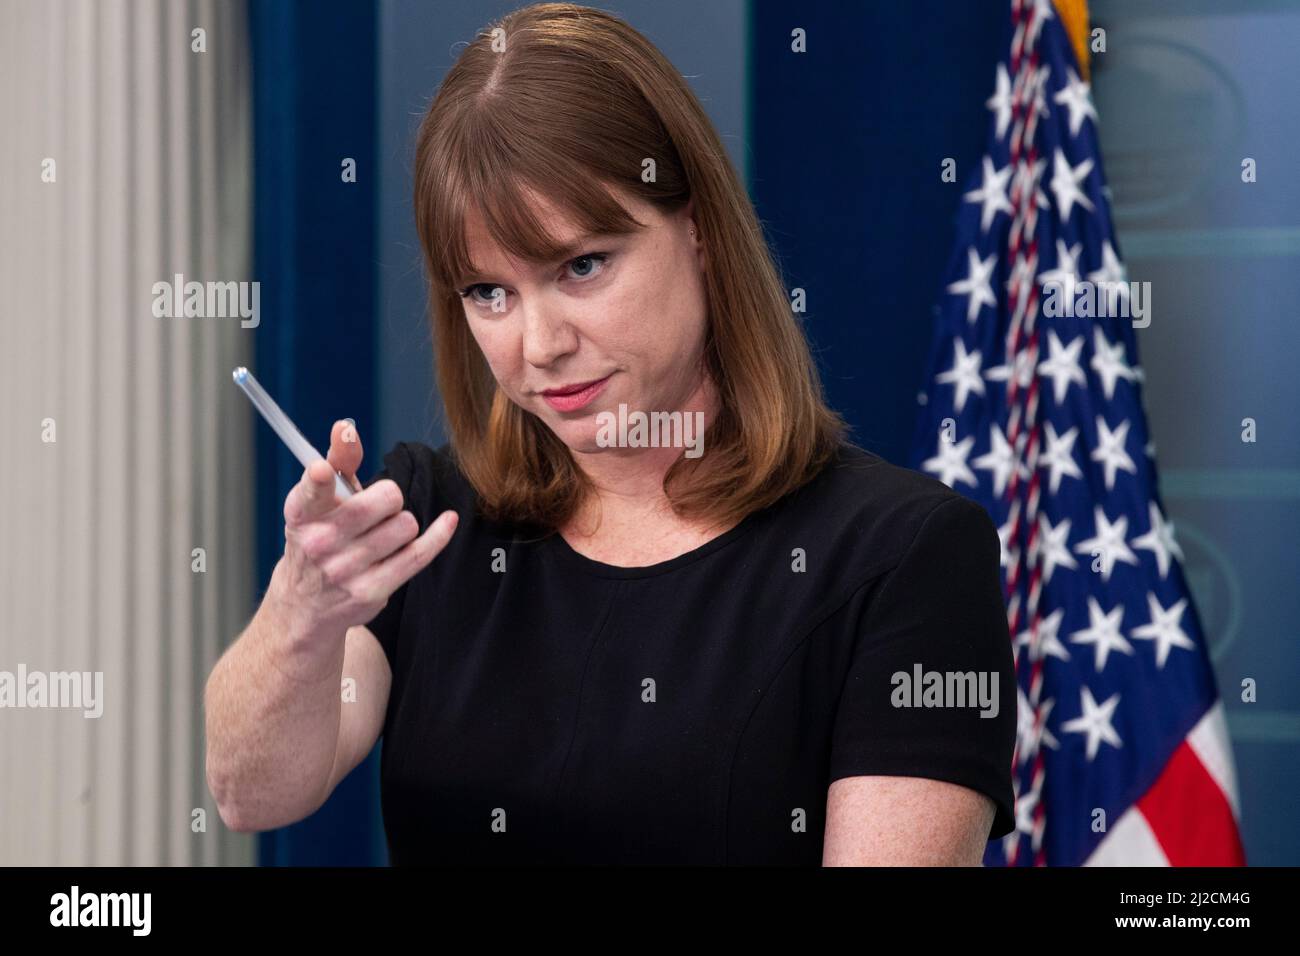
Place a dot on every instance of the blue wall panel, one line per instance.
(314, 96)
(848, 141)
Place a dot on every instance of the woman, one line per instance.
(600, 648)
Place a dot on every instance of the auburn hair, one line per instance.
(570, 103)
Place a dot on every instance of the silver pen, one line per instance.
(285, 428)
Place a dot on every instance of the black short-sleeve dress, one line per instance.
(548, 708)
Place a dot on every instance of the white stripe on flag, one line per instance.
(1130, 842)
(1209, 740)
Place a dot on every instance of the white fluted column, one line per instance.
(151, 143)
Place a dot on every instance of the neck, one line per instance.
(628, 482)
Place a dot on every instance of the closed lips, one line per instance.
(573, 389)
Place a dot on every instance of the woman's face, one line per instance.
(625, 312)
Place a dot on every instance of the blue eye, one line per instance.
(465, 293)
(470, 291)
(600, 257)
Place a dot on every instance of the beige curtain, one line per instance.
(150, 143)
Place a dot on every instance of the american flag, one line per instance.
(1122, 753)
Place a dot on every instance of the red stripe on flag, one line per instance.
(1190, 816)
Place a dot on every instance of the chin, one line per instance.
(578, 436)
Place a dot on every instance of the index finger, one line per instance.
(345, 452)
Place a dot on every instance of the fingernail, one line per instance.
(350, 422)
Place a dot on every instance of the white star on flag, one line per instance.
(1110, 450)
(1059, 456)
(1159, 540)
(1103, 632)
(1095, 722)
(1066, 273)
(1000, 101)
(992, 193)
(1054, 549)
(1062, 365)
(1065, 183)
(964, 374)
(1108, 362)
(999, 459)
(976, 284)
(1164, 629)
(1108, 544)
(1075, 98)
(950, 463)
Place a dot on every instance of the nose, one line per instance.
(547, 336)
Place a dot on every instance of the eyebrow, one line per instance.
(568, 251)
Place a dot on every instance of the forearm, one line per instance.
(272, 718)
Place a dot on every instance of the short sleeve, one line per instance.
(399, 465)
(931, 688)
